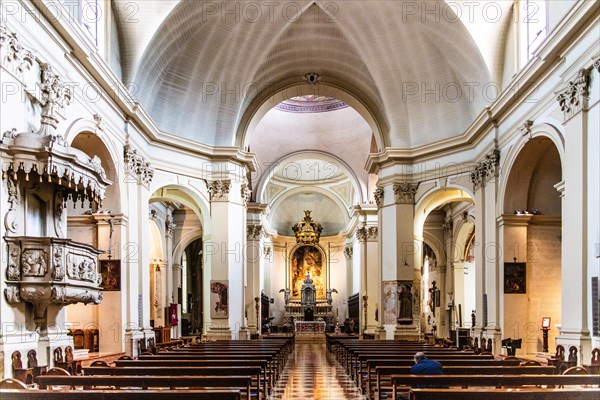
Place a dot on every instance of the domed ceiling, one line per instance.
(203, 67)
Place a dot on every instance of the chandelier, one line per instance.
(307, 231)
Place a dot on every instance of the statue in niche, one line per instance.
(405, 299)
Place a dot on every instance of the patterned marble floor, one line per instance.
(313, 374)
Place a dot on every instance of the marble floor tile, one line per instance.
(313, 374)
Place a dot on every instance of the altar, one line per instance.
(301, 327)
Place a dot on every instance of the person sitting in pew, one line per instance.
(425, 366)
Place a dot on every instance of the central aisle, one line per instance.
(312, 373)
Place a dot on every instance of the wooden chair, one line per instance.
(125, 358)
(32, 363)
(12, 384)
(61, 362)
(560, 353)
(572, 354)
(595, 357)
(577, 370)
(57, 371)
(25, 375)
(99, 363)
(490, 345)
(530, 363)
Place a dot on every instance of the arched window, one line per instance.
(533, 27)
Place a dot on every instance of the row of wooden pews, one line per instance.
(231, 369)
(381, 369)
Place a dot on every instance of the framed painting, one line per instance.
(110, 270)
(515, 278)
(308, 260)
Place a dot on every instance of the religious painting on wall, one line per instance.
(110, 270)
(390, 302)
(514, 277)
(219, 299)
(308, 260)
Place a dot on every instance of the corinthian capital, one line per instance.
(219, 190)
(404, 193)
(574, 98)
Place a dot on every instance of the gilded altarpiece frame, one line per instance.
(312, 259)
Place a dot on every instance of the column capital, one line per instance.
(169, 227)
(136, 166)
(219, 190)
(367, 233)
(378, 194)
(348, 251)
(246, 194)
(486, 169)
(404, 192)
(254, 232)
(575, 96)
(596, 64)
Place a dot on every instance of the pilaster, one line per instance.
(574, 329)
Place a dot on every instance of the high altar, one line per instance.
(308, 296)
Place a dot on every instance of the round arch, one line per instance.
(359, 186)
(184, 242)
(547, 128)
(266, 100)
(171, 191)
(435, 198)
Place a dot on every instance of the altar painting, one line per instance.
(308, 260)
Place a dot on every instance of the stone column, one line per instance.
(400, 253)
(487, 259)
(253, 257)
(574, 330)
(228, 267)
(135, 264)
(177, 276)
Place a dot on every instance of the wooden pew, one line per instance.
(505, 394)
(242, 383)
(254, 372)
(387, 372)
(231, 363)
(495, 381)
(20, 394)
(373, 364)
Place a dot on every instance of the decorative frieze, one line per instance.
(404, 193)
(254, 232)
(348, 251)
(55, 95)
(10, 218)
(378, 194)
(16, 57)
(136, 166)
(69, 276)
(574, 98)
(486, 170)
(34, 262)
(219, 190)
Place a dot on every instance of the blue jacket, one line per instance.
(427, 367)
